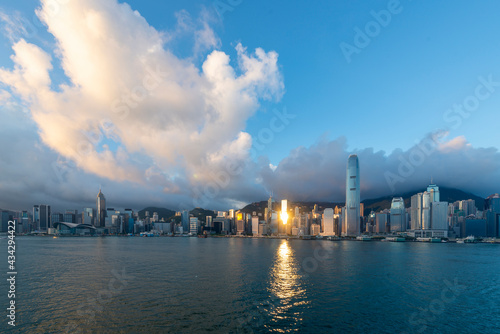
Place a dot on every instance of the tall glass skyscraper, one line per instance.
(41, 217)
(433, 191)
(101, 209)
(398, 215)
(352, 202)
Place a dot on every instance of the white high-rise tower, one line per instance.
(352, 202)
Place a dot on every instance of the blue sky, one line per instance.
(388, 97)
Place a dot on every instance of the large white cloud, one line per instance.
(132, 108)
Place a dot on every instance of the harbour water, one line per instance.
(244, 285)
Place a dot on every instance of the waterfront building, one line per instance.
(439, 216)
(255, 225)
(475, 227)
(315, 229)
(208, 221)
(328, 222)
(274, 223)
(381, 222)
(433, 191)
(352, 208)
(263, 229)
(337, 222)
(88, 216)
(193, 225)
(101, 209)
(492, 214)
(163, 227)
(69, 217)
(185, 221)
(5, 216)
(41, 217)
(429, 216)
(398, 215)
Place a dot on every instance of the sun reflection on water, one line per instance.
(287, 290)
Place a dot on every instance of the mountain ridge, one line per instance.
(449, 195)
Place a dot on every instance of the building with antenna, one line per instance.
(101, 209)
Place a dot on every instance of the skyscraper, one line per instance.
(433, 191)
(41, 217)
(88, 216)
(101, 209)
(36, 217)
(352, 203)
(415, 212)
(284, 215)
(429, 216)
(328, 222)
(185, 221)
(426, 211)
(269, 209)
(398, 215)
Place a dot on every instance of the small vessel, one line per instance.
(470, 239)
(364, 238)
(396, 239)
(420, 239)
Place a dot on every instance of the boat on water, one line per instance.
(470, 239)
(395, 239)
(434, 240)
(364, 238)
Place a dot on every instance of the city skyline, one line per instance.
(428, 218)
(187, 105)
(250, 166)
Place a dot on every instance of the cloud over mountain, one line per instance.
(319, 172)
